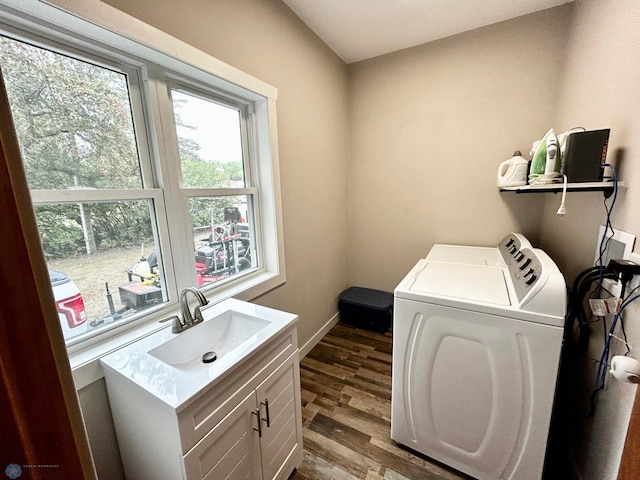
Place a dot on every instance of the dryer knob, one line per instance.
(525, 264)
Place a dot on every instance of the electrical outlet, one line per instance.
(635, 281)
(618, 245)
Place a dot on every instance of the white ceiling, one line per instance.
(361, 29)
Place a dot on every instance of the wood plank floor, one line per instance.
(346, 413)
(346, 416)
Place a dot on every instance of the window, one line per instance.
(85, 166)
(147, 174)
(212, 142)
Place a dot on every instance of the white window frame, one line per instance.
(166, 83)
(97, 27)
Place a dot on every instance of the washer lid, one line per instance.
(468, 282)
(489, 256)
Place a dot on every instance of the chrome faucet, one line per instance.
(187, 319)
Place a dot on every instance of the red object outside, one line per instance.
(73, 310)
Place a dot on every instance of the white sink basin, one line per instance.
(170, 366)
(220, 335)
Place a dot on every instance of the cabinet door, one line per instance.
(280, 413)
(231, 450)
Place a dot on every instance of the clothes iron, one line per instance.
(547, 160)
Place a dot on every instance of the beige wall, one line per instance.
(601, 89)
(429, 127)
(415, 139)
(265, 39)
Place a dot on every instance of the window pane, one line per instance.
(73, 120)
(224, 241)
(94, 246)
(209, 142)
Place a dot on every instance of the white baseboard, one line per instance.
(313, 341)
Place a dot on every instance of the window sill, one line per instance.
(85, 362)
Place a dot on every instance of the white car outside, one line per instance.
(69, 303)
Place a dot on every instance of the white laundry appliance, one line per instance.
(488, 256)
(476, 352)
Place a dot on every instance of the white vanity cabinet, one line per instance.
(246, 424)
(260, 438)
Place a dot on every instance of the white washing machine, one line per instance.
(476, 351)
(488, 256)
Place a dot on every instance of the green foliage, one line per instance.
(115, 224)
(72, 118)
(200, 173)
(74, 125)
(75, 129)
(207, 211)
(60, 230)
(120, 224)
(234, 171)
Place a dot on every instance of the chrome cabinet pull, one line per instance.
(266, 407)
(258, 429)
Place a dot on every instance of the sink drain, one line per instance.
(209, 357)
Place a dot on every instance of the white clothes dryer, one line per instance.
(476, 351)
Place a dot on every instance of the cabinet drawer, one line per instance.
(196, 420)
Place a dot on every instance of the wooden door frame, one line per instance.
(40, 421)
(630, 462)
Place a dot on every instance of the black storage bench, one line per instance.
(366, 308)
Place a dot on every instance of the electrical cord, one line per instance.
(624, 336)
(624, 333)
(604, 242)
(562, 210)
(575, 311)
(604, 359)
(581, 287)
